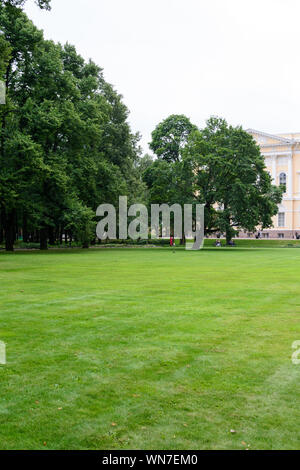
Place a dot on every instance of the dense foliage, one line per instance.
(219, 166)
(44, 4)
(65, 145)
(170, 137)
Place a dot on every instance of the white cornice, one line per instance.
(275, 154)
(272, 136)
(276, 145)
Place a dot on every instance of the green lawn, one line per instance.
(150, 348)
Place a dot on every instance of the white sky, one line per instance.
(238, 59)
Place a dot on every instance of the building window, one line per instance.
(281, 219)
(265, 235)
(281, 235)
(282, 179)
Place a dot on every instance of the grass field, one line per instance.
(150, 348)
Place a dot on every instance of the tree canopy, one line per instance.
(170, 137)
(44, 4)
(231, 179)
(219, 166)
(66, 145)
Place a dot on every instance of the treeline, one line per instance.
(65, 143)
(66, 147)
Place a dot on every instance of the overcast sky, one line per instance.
(237, 59)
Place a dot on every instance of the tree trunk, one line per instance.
(25, 229)
(51, 235)
(9, 229)
(228, 229)
(44, 238)
(61, 229)
(1, 226)
(228, 236)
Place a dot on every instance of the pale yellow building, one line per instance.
(282, 157)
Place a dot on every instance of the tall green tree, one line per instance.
(231, 179)
(170, 137)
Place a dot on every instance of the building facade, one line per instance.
(282, 157)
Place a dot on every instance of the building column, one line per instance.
(274, 168)
(290, 177)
